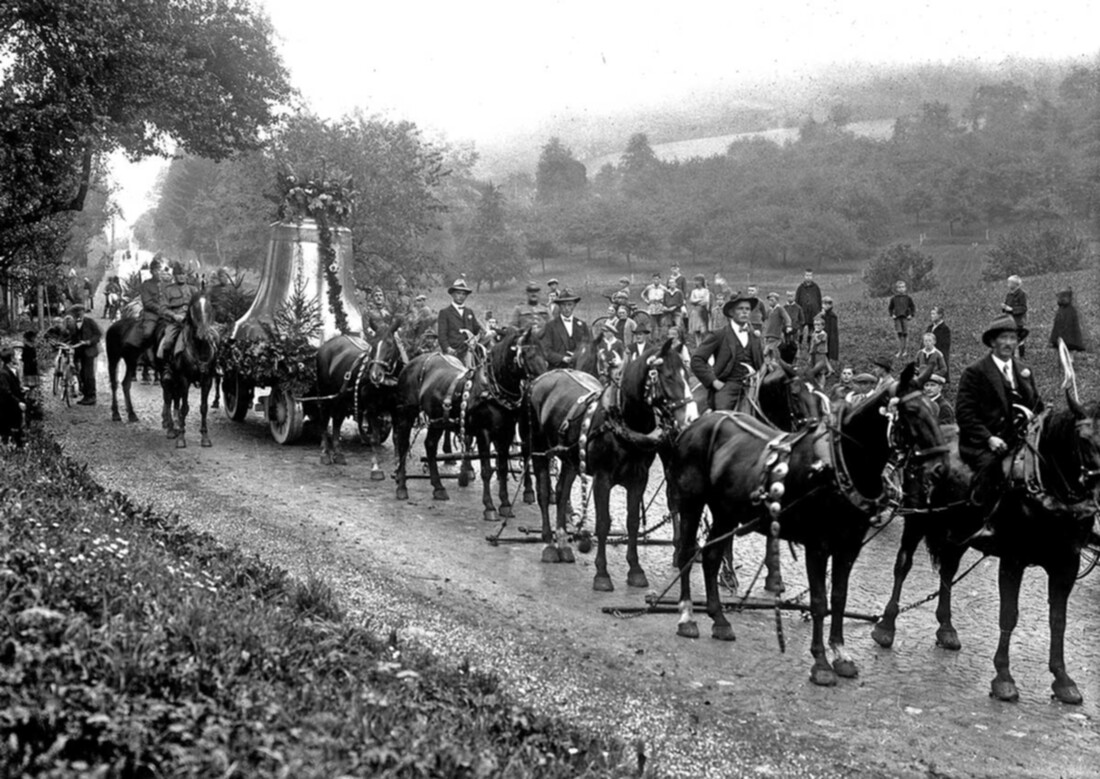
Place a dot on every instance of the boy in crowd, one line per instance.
(901, 310)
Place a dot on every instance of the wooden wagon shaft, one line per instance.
(751, 604)
(456, 456)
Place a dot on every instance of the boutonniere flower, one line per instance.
(756, 333)
(1025, 373)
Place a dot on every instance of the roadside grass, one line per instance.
(133, 646)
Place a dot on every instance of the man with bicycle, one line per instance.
(85, 339)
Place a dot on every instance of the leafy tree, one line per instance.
(900, 262)
(917, 201)
(559, 175)
(82, 79)
(1031, 251)
(489, 251)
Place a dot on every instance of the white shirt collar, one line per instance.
(458, 308)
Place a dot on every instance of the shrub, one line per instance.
(1031, 251)
(900, 262)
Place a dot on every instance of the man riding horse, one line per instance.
(457, 322)
(565, 333)
(177, 296)
(141, 336)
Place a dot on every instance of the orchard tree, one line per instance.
(81, 79)
(489, 251)
(559, 176)
(900, 262)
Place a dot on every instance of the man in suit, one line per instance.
(989, 430)
(736, 351)
(798, 322)
(456, 318)
(564, 333)
(808, 297)
(85, 341)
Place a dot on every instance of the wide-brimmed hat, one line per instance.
(727, 309)
(865, 378)
(1000, 325)
(886, 363)
(76, 309)
(567, 296)
(641, 328)
(532, 287)
(460, 285)
(178, 269)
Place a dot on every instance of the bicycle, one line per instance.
(66, 381)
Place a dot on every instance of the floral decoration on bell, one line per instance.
(328, 200)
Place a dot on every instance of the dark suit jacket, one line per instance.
(88, 331)
(450, 323)
(556, 341)
(983, 408)
(943, 342)
(722, 345)
(1017, 301)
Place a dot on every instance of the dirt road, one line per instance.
(700, 707)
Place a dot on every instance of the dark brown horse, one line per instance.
(359, 379)
(1046, 521)
(482, 404)
(816, 487)
(119, 351)
(193, 360)
(610, 433)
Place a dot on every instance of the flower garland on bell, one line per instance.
(328, 201)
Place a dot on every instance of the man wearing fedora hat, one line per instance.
(85, 338)
(532, 312)
(456, 318)
(988, 427)
(737, 354)
(565, 332)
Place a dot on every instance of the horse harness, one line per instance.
(1025, 467)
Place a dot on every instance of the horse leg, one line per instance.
(375, 444)
(560, 551)
(635, 494)
(338, 457)
(112, 376)
(466, 465)
(691, 512)
(503, 445)
(712, 562)
(166, 420)
(217, 391)
(431, 448)
(127, 381)
(883, 632)
(946, 637)
(541, 466)
(525, 451)
(816, 563)
(402, 430)
(843, 560)
(601, 496)
(204, 408)
(672, 501)
(1009, 575)
(1060, 580)
(326, 436)
(184, 407)
(485, 455)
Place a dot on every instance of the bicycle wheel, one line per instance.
(67, 390)
(56, 382)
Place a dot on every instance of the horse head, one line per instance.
(918, 447)
(1075, 453)
(790, 399)
(387, 355)
(659, 380)
(201, 345)
(603, 357)
(529, 354)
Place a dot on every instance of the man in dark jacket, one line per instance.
(1015, 305)
(457, 322)
(798, 324)
(85, 340)
(939, 328)
(737, 354)
(564, 333)
(989, 429)
(832, 329)
(141, 335)
(12, 400)
(808, 297)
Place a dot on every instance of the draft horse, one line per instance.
(610, 433)
(358, 378)
(119, 350)
(193, 361)
(1044, 519)
(815, 487)
(481, 403)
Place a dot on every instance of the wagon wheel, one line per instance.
(285, 415)
(642, 319)
(385, 426)
(237, 395)
(597, 324)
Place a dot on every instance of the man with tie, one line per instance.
(737, 354)
(456, 318)
(564, 333)
(989, 429)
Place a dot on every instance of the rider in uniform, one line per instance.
(177, 296)
(990, 429)
(737, 352)
(152, 306)
(378, 316)
(532, 312)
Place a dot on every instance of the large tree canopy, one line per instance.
(82, 78)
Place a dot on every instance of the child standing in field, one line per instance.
(930, 355)
(901, 310)
(819, 349)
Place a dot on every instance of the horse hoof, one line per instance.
(774, 584)
(688, 629)
(883, 637)
(823, 676)
(339, 459)
(181, 443)
(440, 494)
(602, 583)
(215, 404)
(584, 544)
(132, 418)
(402, 493)
(377, 475)
(463, 478)
(507, 513)
(845, 669)
(206, 442)
(550, 555)
(1067, 693)
(723, 633)
(171, 433)
(947, 638)
(529, 498)
(115, 416)
(489, 515)
(1004, 690)
(636, 579)
(326, 458)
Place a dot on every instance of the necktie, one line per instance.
(1008, 375)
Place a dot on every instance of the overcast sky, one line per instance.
(480, 69)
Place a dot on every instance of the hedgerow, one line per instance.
(133, 646)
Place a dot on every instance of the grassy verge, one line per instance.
(132, 646)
